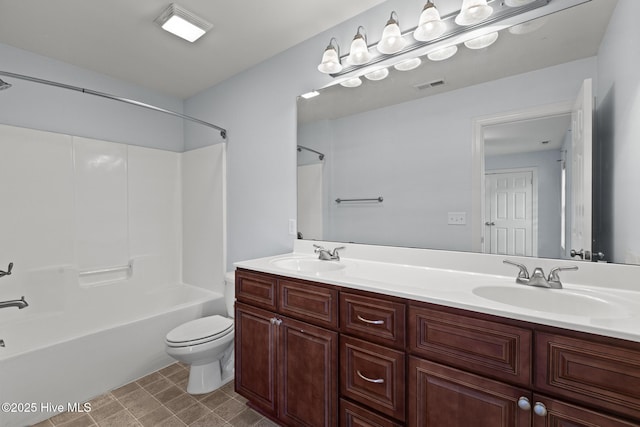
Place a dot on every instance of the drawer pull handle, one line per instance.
(371, 322)
(377, 381)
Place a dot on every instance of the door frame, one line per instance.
(534, 203)
(477, 158)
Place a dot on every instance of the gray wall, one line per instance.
(42, 107)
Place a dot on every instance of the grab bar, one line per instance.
(376, 199)
(320, 155)
(128, 267)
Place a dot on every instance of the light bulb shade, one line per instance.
(482, 41)
(430, 24)
(354, 82)
(391, 40)
(409, 64)
(529, 26)
(442, 54)
(359, 52)
(517, 3)
(330, 61)
(473, 12)
(377, 74)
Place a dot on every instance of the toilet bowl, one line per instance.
(206, 344)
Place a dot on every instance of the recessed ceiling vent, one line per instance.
(429, 85)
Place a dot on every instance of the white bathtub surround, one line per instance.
(477, 282)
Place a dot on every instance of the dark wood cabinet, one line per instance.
(561, 414)
(352, 415)
(443, 396)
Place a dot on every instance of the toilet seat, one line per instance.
(200, 331)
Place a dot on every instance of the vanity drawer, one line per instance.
(604, 375)
(493, 349)
(376, 319)
(352, 415)
(317, 304)
(257, 289)
(373, 375)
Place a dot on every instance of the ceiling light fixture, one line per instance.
(182, 23)
(379, 74)
(482, 41)
(331, 58)
(473, 12)
(430, 25)
(442, 54)
(354, 82)
(359, 53)
(392, 40)
(408, 64)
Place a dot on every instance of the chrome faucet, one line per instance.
(327, 255)
(8, 272)
(537, 278)
(20, 303)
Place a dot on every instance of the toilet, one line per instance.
(206, 344)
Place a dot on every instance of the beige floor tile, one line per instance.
(158, 386)
(155, 417)
(193, 413)
(64, 417)
(124, 390)
(209, 420)
(99, 401)
(139, 403)
(120, 419)
(171, 422)
(105, 411)
(179, 376)
(266, 422)
(84, 420)
(171, 369)
(246, 418)
(45, 423)
(152, 377)
(180, 403)
(168, 394)
(229, 409)
(214, 399)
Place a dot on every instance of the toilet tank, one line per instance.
(230, 291)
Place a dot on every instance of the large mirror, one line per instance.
(456, 154)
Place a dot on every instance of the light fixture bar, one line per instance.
(182, 23)
(502, 17)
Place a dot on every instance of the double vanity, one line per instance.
(409, 337)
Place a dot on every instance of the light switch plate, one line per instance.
(457, 218)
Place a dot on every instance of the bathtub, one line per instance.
(72, 343)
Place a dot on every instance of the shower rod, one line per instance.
(223, 132)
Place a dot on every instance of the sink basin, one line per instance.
(307, 265)
(559, 301)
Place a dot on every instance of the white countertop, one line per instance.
(603, 310)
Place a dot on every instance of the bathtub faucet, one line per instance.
(8, 272)
(20, 303)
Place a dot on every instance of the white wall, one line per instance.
(43, 107)
(417, 156)
(618, 127)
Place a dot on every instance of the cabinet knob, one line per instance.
(376, 381)
(524, 404)
(539, 409)
(370, 322)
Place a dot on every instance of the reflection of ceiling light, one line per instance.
(430, 25)
(354, 82)
(359, 52)
(517, 3)
(377, 74)
(183, 23)
(409, 64)
(331, 58)
(528, 27)
(473, 12)
(391, 40)
(311, 94)
(482, 41)
(442, 54)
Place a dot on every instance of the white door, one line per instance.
(310, 201)
(510, 213)
(581, 130)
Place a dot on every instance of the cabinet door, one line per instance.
(352, 415)
(560, 414)
(255, 357)
(256, 289)
(441, 396)
(307, 369)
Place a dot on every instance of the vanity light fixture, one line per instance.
(408, 64)
(517, 3)
(430, 26)
(473, 12)
(310, 95)
(379, 74)
(354, 82)
(330, 62)
(482, 41)
(359, 52)
(528, 27)
(442, 54)
(182, 23)
(392, 40)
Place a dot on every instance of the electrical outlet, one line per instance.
(293, 228)
(457, 218)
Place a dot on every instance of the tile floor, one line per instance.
(160, 400)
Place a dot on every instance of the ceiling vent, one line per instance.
(429, 85)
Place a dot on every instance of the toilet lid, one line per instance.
(206, 328)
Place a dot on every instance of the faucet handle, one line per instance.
(335, 250)
(318, 248)
(524, 273)
(8, 272)
(553, 274)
